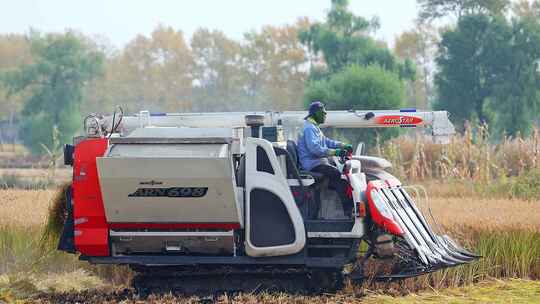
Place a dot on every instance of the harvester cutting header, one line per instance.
(224, 201)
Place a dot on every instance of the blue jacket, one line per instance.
(313, 146)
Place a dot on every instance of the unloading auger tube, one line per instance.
(441, 126)
(211, 202)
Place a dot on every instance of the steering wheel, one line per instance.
(345, 157)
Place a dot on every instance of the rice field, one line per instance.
(505, 231)
(24, 208)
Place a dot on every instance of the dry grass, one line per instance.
(36, 173)
(12, 150)
(29, 285)
(484, 213)
(470, 156)
(24, 208)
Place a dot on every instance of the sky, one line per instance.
(119, 21)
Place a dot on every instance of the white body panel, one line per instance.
(277, 184)
(128, 168)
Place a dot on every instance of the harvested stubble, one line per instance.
(492, 291)
(28, 236)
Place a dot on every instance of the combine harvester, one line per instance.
(213, 202)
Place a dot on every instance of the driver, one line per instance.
(314, 149)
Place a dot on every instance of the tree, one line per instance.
(218, 72)
(156, 72)
(359, 72)
(517, 96)
(434, 9)
(370, 87)
(275, 63)
(420, 46)
(470, 61)
(62, 65)
(526, 8)
(489, 70)
(343, 40)
(14, 51)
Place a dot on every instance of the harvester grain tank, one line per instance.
(217, 201)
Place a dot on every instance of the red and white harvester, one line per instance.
(209, 202)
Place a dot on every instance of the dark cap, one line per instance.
(314, 107)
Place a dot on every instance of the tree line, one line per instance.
(54, 79)
(489, 62)
(482, 67)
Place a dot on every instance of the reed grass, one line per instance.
(509, 167)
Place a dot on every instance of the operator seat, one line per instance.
(293, 151)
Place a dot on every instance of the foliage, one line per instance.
(489, 71)
(359, 73)
(14, 51)
(526, 8)
(218, 69)
(419, 45)
(370, 87)
(527, 185)
(63, 63)
(433, 9)
(469, 62)
(152, 73)
(274, 63)
(210, 72)
(343, 40)
(516, 97)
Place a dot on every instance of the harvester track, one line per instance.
(210, 281)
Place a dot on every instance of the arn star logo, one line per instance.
(398, 120)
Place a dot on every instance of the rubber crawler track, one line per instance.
(208, 281)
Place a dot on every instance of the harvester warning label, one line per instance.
(170, 192)
(398, 120)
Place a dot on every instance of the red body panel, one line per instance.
(387, 221)
(91, 229)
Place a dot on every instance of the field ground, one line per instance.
(505, 232)
(510, 291)
(493, 291)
